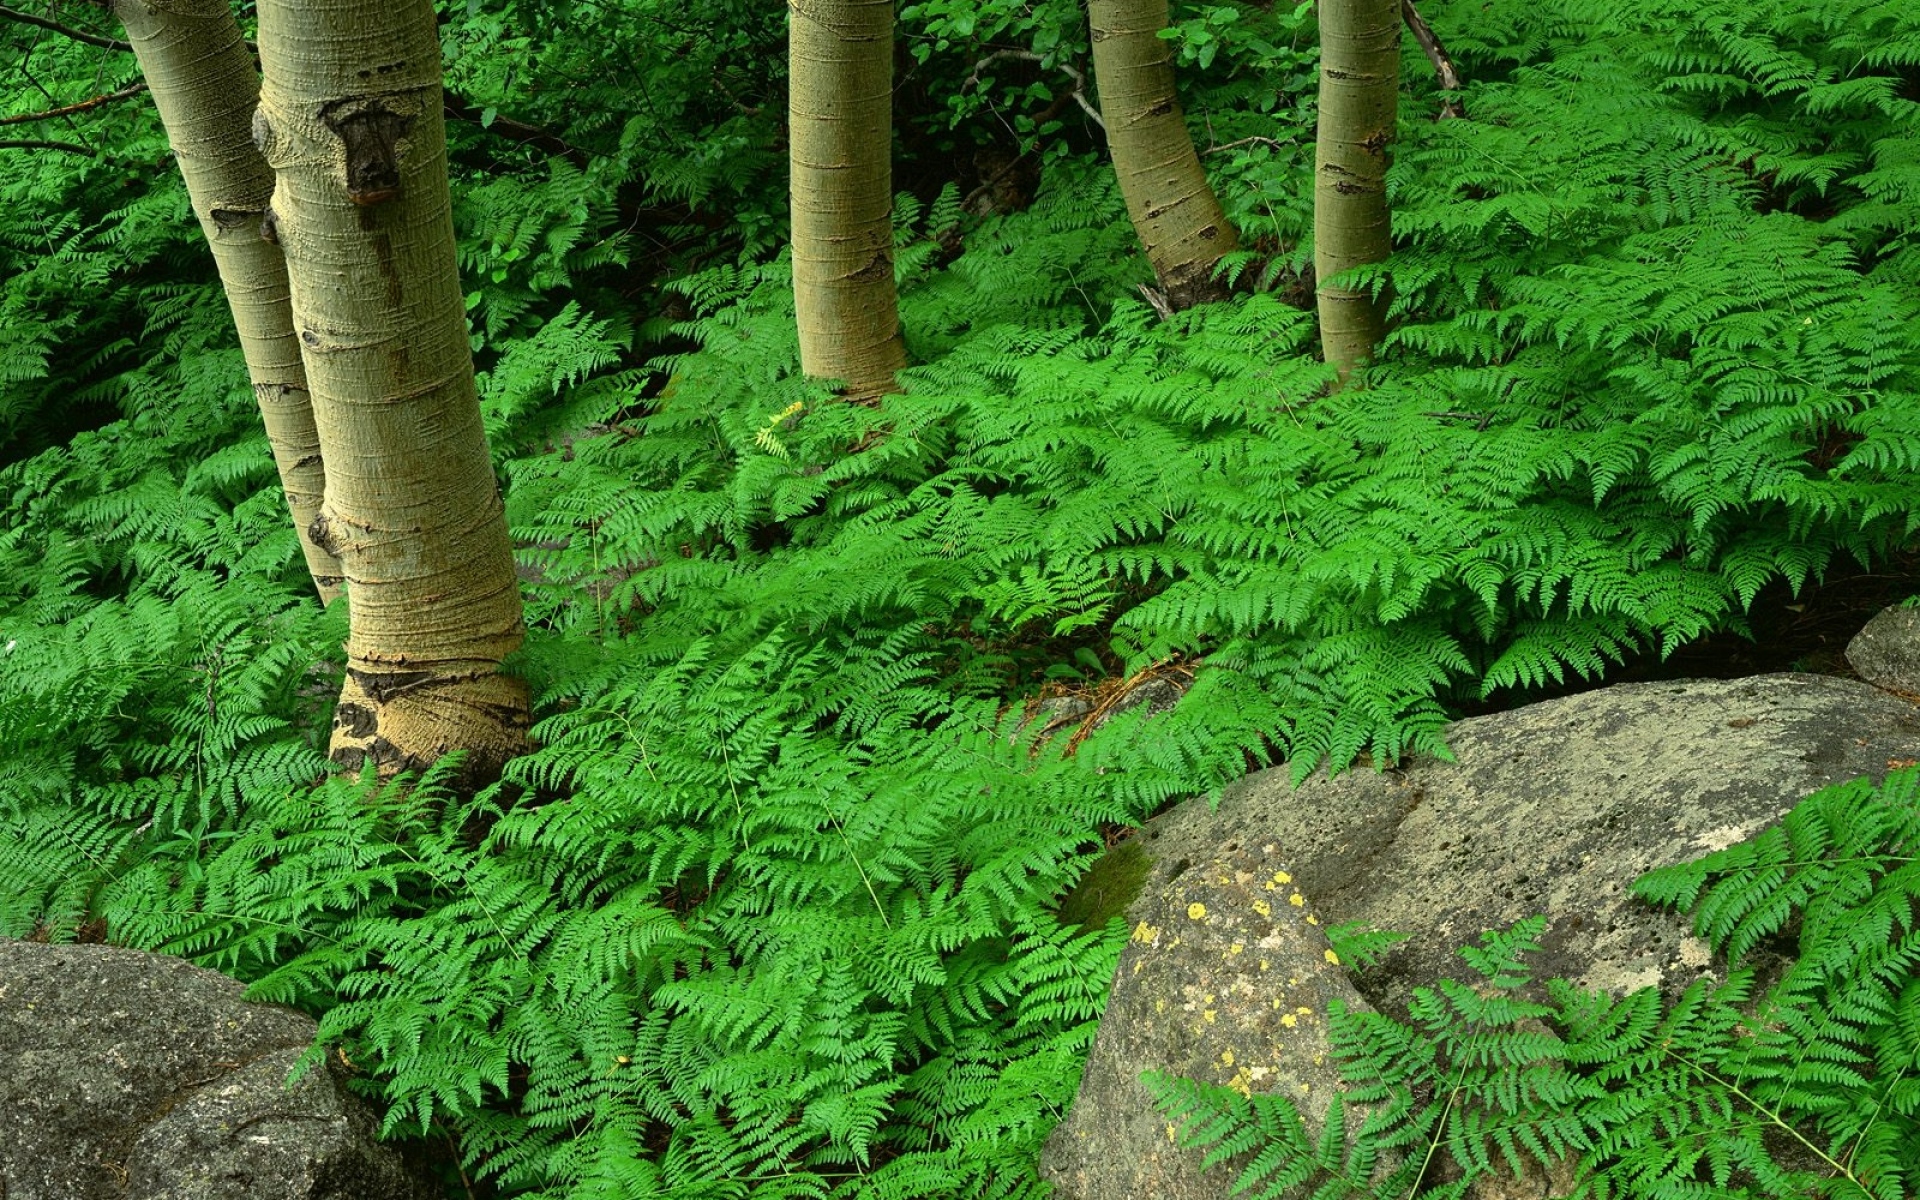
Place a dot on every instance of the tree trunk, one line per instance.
(1359, 101)
(1174, 211)
(205, 86)
(350, 121)
(840, 116)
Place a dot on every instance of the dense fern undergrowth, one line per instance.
(770, 912)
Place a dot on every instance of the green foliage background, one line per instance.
(770, 912)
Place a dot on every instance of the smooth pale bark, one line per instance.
(350, 121)
(1174, 210)
(204, 84)
(840, 120)
(1359, 104)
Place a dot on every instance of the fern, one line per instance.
(770, 911)
(1722, 1093)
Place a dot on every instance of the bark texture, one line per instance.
(204, 84)
(1359, 104)
(1174, 210)
(350, 121)
(840, 111)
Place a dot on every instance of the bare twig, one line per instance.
(720, 85)
(1080, 97)
(78, 35)
(1078, 76)
(69, 109)
(69, 147)
(455, 1148)
(1269, 143)
(1436, 54)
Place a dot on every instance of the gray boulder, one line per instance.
(133, 1076)
(1227, 977)
(1553, 808)
(1887, 651)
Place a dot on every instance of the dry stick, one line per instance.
(1078, 76)
(455, 1147)
(78, 35)
(1436, 54)
(69, 110)
(1269, 143)
(69, 147)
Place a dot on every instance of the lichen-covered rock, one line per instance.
(1228, 978)
(132, 1076)
(1887, 651)
(1554, 808)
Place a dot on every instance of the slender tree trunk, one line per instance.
(350, 121)
(1359, 104)
(204, 84)
(1174, 211)
(840, 112)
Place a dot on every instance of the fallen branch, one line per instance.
(67, 31)
(69, 147)
(1078, 76)
(1269, 143)
(68, 110)
(1436, 54)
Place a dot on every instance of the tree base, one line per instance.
(405, 723)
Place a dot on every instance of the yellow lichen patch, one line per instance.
(1236, 948)
(1289, 1020)
(1282, 877)
(1263, 908)
(1172, 1132)
(1197, 911)
(1240, 1083)
(1144, 932)
(1312, 920)
(1333, 958)
(1160, 1006)
(1226, 1057)
(1304, 1011)
(1263, 964)
(1137, 964)
(1208, 1016)
(1306, 1087)
(1297, 900)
